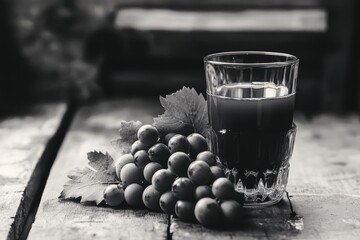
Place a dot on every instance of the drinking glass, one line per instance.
(251, 98)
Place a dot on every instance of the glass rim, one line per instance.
(293, 59)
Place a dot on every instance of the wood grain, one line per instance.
(324, 184)
(320, 217)
(23, 139)
(326, 157)
(93, 129)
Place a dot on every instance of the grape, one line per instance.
(168, 137)
(183, 189)
(113, 195)
(178, 163)
(216, 172)
(167, 202)
(203, 192)
(130, 173)
(151, 198)
(185, 211)
(199, 172)
(150, 169)
(207, 157)
(141, 159)
(207, 211)
(137, 146)
(231, 211)
(198, 144)
(148, 135)
(179, 143)
(159, 153)
(223, 189)
(121, 162)
(133, 195)
(162, 180)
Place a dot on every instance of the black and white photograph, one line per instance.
(179, 119)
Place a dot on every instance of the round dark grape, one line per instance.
(185, 211)
(207, 212)
(133, 195)
(141, 159)
(216, 172)
(168, 137)
(137, 146)
(178, 164)
(167, 202)
(199, 173)
(151, 198)
(207, 157)
(130, 173)
(148, 135)
(113, 195)
(121, 162)
(223, 189)
(198, 144)
(162, 180)
(231, 211)
(179, 143)
(183, 189)
(203, 192)
(159, 153)
(150, 169)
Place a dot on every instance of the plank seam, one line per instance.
(30, 200)
(168, 230)
(292, 212)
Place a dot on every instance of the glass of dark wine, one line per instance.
(251, 98)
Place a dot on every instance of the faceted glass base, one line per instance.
(261, 189)
(262, 181)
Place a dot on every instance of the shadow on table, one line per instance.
(280, 218)
(279, 222)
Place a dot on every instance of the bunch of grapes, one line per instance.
(177, 175)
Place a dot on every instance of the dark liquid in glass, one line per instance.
(250, 123)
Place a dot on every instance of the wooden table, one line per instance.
(324, 184)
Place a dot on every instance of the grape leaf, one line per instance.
(89, 183)
(185, 112)
(128, 135)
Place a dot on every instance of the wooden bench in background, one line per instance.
(160, 44)
(324, 181)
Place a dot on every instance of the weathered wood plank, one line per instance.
(93, 129)
(324, 182)
(326, 157)
(323, 217)
(23, 139)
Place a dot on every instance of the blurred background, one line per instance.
(83, 50)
